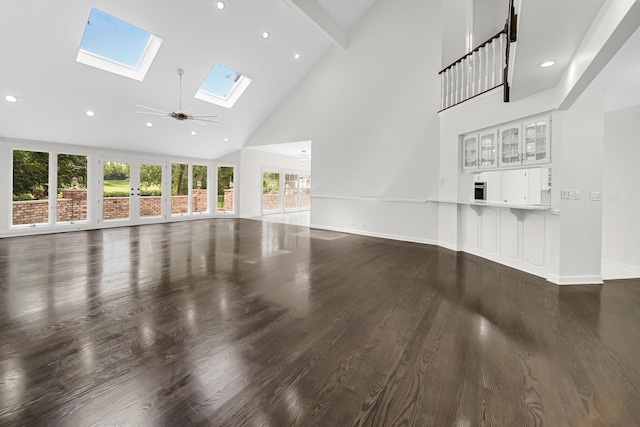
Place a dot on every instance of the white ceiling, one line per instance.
(620, 78)
(40, 40)
(346, 12)
(548, 30)
(538, 43)
(39, 44)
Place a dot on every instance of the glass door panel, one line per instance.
(470, 153)
(304, 190)
(510, 146)
(226, 191)
(71, 203)
(270, 192)
(291, 199)
(536, 142)
(116, 191)
(150, 201)
(488, 150)
(30, 188)
(179, 189)
(199, 195)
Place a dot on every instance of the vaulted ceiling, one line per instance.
(39, 42)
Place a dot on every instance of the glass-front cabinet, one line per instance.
(488, 150)
(536, 141)
(510, 145)
(470, 152)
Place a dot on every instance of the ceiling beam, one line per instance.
(614, 24)
(317, 16)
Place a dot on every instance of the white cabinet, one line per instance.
(488, 149)
(536, 141)
(510, 145)
(470, 152)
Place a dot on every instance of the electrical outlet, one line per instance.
(596, 196)
(574, 195)
(565, 194)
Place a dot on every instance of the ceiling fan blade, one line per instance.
(196, 117)
(150, 113)
(205, 120)
(152, 109)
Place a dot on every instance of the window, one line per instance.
(199, 197)
(71, 203)
(116, 185)
(222, 86)
(270, 192)
(30, 188)
(225, 189)
(116, 46)
(179, 188)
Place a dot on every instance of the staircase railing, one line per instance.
(477, 72)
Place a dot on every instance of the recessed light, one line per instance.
(547, 64)
(90, 113)
(220, 5)
(10, 98)
(296, 56)
(226, 140)
(149, 124)
(193, 132)
(265, 35)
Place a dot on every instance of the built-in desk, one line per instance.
(517, 235)
(496, 204)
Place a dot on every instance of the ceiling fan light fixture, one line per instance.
(220, 5)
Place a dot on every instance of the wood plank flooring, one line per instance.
(233, 322)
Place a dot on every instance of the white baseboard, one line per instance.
(612, 270)
(411, 239)
(575, 280)
(452, 247)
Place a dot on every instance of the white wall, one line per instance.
(577, 165)
(371, 114)
(253, 163)
(569, 243)
(621, 197)
(481, 18)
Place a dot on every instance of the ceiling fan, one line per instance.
(178, 115)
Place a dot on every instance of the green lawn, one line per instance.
(116, 186)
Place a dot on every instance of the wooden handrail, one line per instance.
(496, 36)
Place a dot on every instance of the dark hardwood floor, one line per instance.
(236, 322)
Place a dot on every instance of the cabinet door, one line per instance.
(470, 152)
(536, 143)
(510, 145)
(488, 149)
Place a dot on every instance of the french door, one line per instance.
(133, 191)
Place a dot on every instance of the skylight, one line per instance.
(116, 46)
(222, 86)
